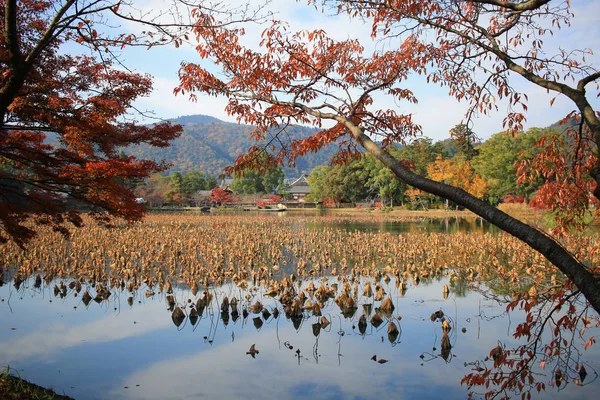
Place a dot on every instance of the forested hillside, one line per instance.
(209, 145)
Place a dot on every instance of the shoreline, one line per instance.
(14, 387)
(519, 211)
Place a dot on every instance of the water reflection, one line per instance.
(329, 337)
(406, 225)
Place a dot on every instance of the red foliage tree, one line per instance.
(62, 120)
(275, 198)
(81, 104)
(329, 202)
(565, 163)
(261, 203)
(307, 78)
(473, 48)
(221, 196)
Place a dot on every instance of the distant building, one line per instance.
(299, 188)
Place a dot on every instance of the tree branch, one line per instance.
(590, 78)
(525, 6)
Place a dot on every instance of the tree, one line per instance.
(272, 180)
(340, 183)
(346, 183)
(380, 181)
(257, 180)
(567, 186)
(307, 77)
(316, 180)
(421, 152)
(498, 159)
(465, 140)
(248, 182)
(192, 182)
(176, 181)
(154, 190)
(221, 196)
(457, 172)
(64, 117)
(175, 194)
(479, 47)
(301, 77)
(211, 183)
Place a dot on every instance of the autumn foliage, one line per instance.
(510, 198)
(305, 57)
(459, 173)
(308, 78)
(565, 161)
(221, 196)
(63, 128)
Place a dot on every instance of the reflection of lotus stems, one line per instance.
(277, 333)
(339, 342)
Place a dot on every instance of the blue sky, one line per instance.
(436, 112)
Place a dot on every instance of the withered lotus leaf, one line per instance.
(193, 316)
(86, 298)
(256, 307)
(178, 316)
(225, 304)
(376, 320)
(266, 314)
(387, 306)
(439, 314)
(446, 326)
(316, 329)
(362, 324)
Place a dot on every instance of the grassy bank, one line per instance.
(13, 387)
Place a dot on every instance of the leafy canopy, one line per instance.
(78, 101)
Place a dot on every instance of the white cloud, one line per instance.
(166, 105)
(44, 343)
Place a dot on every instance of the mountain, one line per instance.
(561, 127)
(208, 144)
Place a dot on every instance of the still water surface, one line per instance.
(130, 348)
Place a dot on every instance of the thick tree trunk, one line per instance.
(584, 279)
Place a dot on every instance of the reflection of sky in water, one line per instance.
(95, 352)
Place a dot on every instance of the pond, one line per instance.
(134, 338)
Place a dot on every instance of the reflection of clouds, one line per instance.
(59, 337)
(182, 365)
(227, 372)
